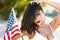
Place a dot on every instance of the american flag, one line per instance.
(12, 27)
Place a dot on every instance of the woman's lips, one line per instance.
(38, 22)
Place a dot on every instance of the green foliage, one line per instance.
(43, 5)
(20, 7)
(6, 5)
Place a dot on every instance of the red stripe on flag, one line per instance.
(15, 31)
(18, 35)
(4, 37)
(8, 35)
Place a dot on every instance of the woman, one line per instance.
(28, 22)
(33, 22)
(33, 18)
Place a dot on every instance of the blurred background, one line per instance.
(19, 7)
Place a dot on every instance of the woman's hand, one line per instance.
(40, 1)
(51, 3)
(43, 1)
(37, 1)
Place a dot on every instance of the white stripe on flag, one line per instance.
(15, 33)
(14, 29)
(6, 37)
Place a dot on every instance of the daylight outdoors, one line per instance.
(19, 8)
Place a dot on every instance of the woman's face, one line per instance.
(39, 17)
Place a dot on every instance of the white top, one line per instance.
(38, 37)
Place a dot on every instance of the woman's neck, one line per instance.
(42, 25)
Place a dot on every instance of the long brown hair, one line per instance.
(29, 16)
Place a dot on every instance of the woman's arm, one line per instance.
(56, 22)
(54, 4)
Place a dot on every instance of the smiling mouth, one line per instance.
(38, 22)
